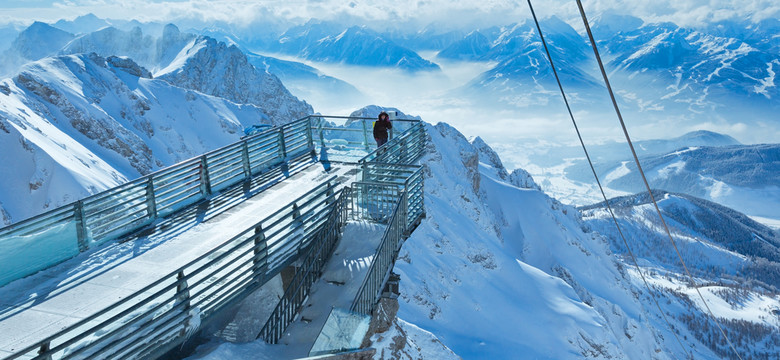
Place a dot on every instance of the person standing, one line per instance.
(381, 125)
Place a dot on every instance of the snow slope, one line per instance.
(199, 63)
(716, 241)
(496, 270)
(744, 177)
(332, 42)
(37, 41)
(735, 260)
(74, 125)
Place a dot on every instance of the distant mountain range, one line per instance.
(656, 68)
(183, 59)
(745, 177)
(330, 42)
(714, 240)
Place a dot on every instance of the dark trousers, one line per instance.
(380, 141)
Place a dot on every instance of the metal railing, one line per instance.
(57, 235)
(350, 131)
(378, 199)
(319, 253)
(162, 314)
(150, 321)
(390, 169)
(384, 258)
(405, 148)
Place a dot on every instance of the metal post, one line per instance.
(309, 133)
(364, 170)
(81, 226)
(296, 212)
(329, 195)
(260, 253)
(245, 160)
(282, 147)
(183, 295)
(182, 290)
(205, 183)
(44, 349)
(151, 203)
(365, 135)
(322, 131)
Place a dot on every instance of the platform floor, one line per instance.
(44, 303)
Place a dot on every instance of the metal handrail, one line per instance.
(384, 258)
(312, 264)
(110, 218)
(175, 290)
(233, 269)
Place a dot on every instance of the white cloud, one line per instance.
(407, 12)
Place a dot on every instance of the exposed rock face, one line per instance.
(105, 131)
(217, 69)
(199, 63)
(522, 179)
(129, 66)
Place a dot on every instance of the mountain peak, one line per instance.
(40, 40)
(712, 138)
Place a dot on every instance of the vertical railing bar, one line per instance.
(205, 183)
(245, 160)
(81, 226)
(151, 203)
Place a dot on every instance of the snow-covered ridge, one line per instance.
(331, 42)
(744, 177)
(74, 125)
(494, 267)
(200, 63)
(185, 60)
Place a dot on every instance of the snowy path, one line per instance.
(51, 300)
(337, 287)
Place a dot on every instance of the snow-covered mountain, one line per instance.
(330, 42)
(82, 24)
(302, 80)
(659, 70)
(180, 58)
(200, 63)
(716, 241)
(744, 177)
(35, 42)
(522, 76)
(431, 37)
(472, 47)
(74, 125)
(736, 262)
(496, 266)
(619, 151)
(305, 81)
(702, 71)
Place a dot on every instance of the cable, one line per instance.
(601, 188)
(644, 178)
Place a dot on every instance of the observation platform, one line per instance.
(136, 270)
(51, 300)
